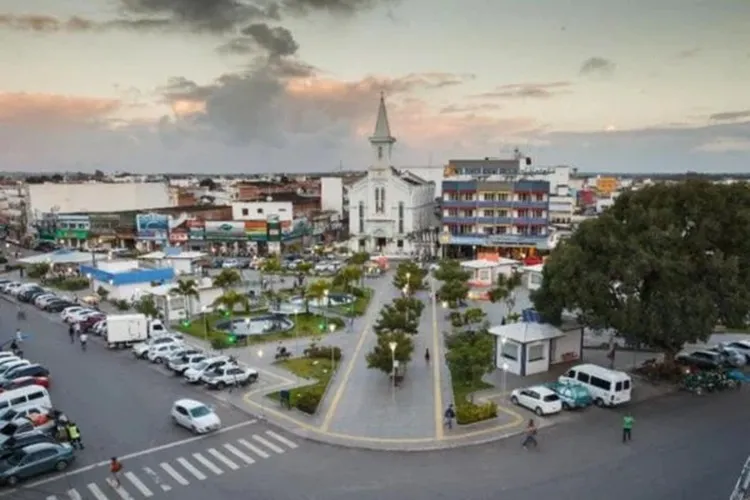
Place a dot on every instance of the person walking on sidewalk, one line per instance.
(627, 427)
(450, 414)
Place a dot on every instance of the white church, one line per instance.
(391, 212)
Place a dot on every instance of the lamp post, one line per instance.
(505, 378)
(262, 407)
(205, 323)
(327, 304)
(408, 280)
(331, 328)
(393, 346)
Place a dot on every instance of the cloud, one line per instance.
(689, 53)
(277, 41)
(47, 110)
(470, 108)
(597, 66)
(527, 91)
(726, 145)
(730, 115)
(46, 24)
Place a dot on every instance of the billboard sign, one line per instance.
(225, 231)
(72, 227)
(152, 227)
(196, 229)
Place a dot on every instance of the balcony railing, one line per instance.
(516, 221)
(506, 204)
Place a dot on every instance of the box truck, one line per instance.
(124, 330)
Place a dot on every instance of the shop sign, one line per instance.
(72, 227)
(225, 231)
(196, 229)
(152, 227)
(178, 236)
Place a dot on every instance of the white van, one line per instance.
(607, 387)
(18, 399)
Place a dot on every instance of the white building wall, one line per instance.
(260, 210)
(540, 365)
(95, 197)
(332, 194)
(566, 346)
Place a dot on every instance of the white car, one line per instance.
(12, 365)
(230, 264)
(159, 353)
(182, 351)
(227, 375)
(742, 346)
(181, 364)
(68, 313)
(99, 328)
(193, 375)
(196, 416)
(43, 297)
(10, 287)
(539, 399)
(141, 350)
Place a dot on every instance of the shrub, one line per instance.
(358, 292)
(469, 413)
(121, 304)
(308, 401)
(12, 267)
(3, 259)
(102, 292)
(322, 352)
(37, 271)
(70, 284)
(219, 342)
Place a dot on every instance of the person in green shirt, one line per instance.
(627, 427)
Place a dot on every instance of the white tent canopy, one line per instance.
(58, 257)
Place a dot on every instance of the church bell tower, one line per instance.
(381, 140)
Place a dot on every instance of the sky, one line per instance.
(272, 86)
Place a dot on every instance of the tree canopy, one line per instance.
(662, 267)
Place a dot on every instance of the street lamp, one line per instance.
(408, 280)
(327, 302)
(393, 346)
(331, 328)
(505, 377)
(262, 407)
(205, 322)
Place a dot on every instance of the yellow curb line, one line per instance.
(437, 389)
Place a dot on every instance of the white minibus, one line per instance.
(607, 387)
(22, 397)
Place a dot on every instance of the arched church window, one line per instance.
(380, 152)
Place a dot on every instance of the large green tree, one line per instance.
(470, 355)
(411, 275)
(394, 320)
(663, 266)
(381, 357)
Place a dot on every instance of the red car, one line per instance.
(23, 382)
(91, 320)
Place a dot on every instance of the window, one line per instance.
(400, 243)
(382, 200)
(535, 352)
(510, 351)
(282, 210)
(583, 377)
(245, 211)
(400, 217)
(601, 383)
(488, 213)
(361, 217)
(550, 398)
(380, 152)
(17, 401)
(618, 386)
(626, 385)
(260, 210)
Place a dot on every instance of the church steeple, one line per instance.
(382, 141)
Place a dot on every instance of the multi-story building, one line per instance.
(491, 206)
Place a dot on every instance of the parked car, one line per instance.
(57, 305)
(742, 346)
(193, 375)
(140, 350)
(701, 359)
(34, 460)
(30, 370)
(539, 399)
(68, 314)
(9, 366)
(183, 363)
(196, 416)
(13, 445)
(572, 395)
(159, 353)
(732, 357)
(89, 321)
(18, 382)
(227, 375)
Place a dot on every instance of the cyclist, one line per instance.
(83, 338)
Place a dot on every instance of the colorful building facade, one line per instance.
(511, 217)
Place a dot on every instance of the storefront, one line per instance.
(152, 230)
(72, 230)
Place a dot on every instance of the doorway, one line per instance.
(380, 243)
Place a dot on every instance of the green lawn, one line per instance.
(307, 325)
(359, 307)
(462, 390)
(320, 370)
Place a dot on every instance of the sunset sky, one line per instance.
(292, 86)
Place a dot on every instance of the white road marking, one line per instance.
(74, 495)
(253, 448)
(52, 497)
(237, 453)
(155, 477)
(138, 484)
(174, 474)
(207, 464)
(121, 492)
(268, 444)
(281, 438)
(136, 454)
(98, 494)
(191, 469)
(223, 459)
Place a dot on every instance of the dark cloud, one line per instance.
(46, 24)
(527, 91)
(730, 116)
(597, 66)
(277, 41)
(238, 46)
(347, 7)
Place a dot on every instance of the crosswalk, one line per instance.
(198, 466)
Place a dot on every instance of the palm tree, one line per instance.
(228, 278)
(229, 301)
(316, 291)
(187, 289)
(146, 306)
(348, 275)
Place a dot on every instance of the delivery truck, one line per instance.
(124, 330)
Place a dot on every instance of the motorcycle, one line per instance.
(282, 353)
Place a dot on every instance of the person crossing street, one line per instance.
(74, 435)
(627, 427)
(72, 334)
(84, 339)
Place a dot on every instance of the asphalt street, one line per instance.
(121, 404)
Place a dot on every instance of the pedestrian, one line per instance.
(72, 333)
(74, 435)
(627, 427)
(114, 468)
(530, 438)
(450, 414)
(19, 335)
(427, 355)
(84, 339)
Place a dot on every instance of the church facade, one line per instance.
(391, 212)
